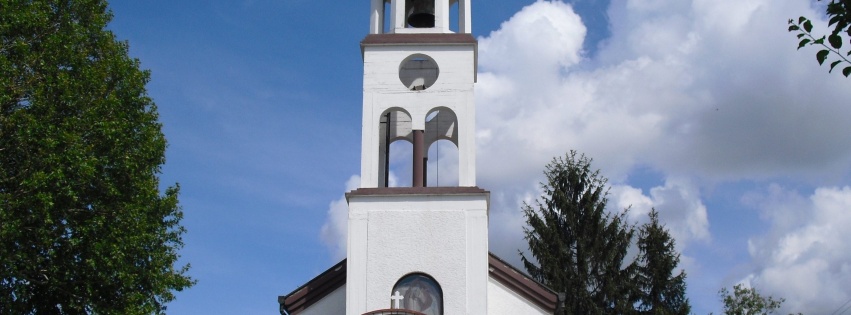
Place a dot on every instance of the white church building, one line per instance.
(419, 249)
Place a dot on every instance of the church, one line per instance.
(419, 249)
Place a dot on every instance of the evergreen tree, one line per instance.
(83, 226)
(576, 246)
(660, 291)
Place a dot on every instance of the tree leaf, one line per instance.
(808, 26)
(803, 43)
(801, 35)
(822, 55)
(833, 20)
(819, 41)
(793, 28)
(802, 19)
(846, 72)
(833, 64)
(835, 41)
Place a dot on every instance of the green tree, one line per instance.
(839, 12)
(84, 228)
(661, 292)
(576, 246)
(747, 301)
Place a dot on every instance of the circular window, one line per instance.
(418, 72)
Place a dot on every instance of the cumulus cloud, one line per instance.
(805, 256)
(706, 92)
(705, 88)
(679, 206)
(335, 230)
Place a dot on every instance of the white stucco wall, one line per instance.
(502, 301)
(332, 304)
(382, 90)
(444, 236)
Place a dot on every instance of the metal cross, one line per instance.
(397, 299)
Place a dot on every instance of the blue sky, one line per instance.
(701, 109)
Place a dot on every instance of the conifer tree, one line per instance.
(576, 246)
(84, 228)
(660, 291)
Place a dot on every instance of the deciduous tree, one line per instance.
(84, 228)
(747, 301)
(839, 14)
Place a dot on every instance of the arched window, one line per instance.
(418, 292)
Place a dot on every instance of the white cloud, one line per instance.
(335, 230)
(553, 45)
(805, 257)
(679, 206)
(706, 92)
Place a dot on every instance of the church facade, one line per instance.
(419, 249)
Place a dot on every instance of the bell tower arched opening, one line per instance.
(400, 164)
(442, 167)
(394, 125)
(420, 16)
(441, 140)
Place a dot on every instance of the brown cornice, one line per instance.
(383, 191)
(418, 39)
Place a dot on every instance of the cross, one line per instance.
(397, 298)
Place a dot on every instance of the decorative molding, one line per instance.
(418, 39)
(385, 191)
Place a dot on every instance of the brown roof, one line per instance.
(335, 277)
(315, 289)
(522, 284)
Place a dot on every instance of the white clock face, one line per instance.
(418, 72)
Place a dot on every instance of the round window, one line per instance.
(418, 72)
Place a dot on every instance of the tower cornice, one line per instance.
(436, 39)
(419, 39)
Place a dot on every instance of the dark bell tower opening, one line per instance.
(420, 13)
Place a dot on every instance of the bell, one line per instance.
(420, 13)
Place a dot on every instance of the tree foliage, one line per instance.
(839, 13)
(747, 301)
(661, 292)
(83, 226)
(577, 247)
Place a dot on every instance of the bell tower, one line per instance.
(418, 247)
(418, 86)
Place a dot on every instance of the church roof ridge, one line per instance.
(314, 290)
(335, 277)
